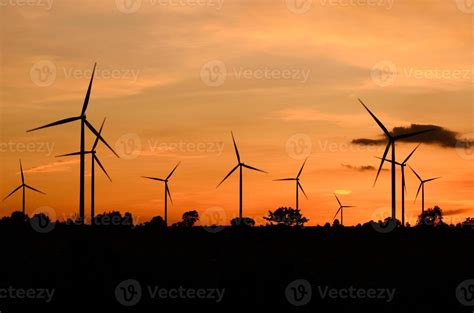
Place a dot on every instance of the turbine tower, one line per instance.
(240, 165)
(24, 186)
(341, 209)
(422, 187)
(392, 139)
(167, 190)
(84, 123)
(298, 184)
(94, 160)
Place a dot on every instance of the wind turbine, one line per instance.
(391, 144)
(24, 186)
(341, 209)
(239, 166)
(94, 159)
(167, 190)
(84, 122)
(404, 187)
(298, 184)
(422, 187)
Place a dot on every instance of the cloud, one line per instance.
(439, 136)
(455, 212)
(58, 166)
(362, 168)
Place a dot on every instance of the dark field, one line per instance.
(254, 266)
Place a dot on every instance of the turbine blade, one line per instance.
(284, 179)
(102, 167)
(409, 156)
(431, 179)
(413, 134)
(388, 160)
(11, 193)
(88, 94)
(338, 200)
(168, 193)
(154, 178)
(72, 154)
(337, 213)
(385, 130)
(348, 206)
(301, 187)
(97, 138)
(92, 129)
(60, 122)
(230, 173)
(22, 175)
(383, 160)
(421, 184)
(174, 169)
(301, 170)
(235, 146)
(415, 173)
(34, 189)
(253, 168)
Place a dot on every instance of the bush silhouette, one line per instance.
(286, 217)
(113, 219)
(188, 220)
(431, 218)
(245, 222)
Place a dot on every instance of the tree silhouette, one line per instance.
(188, 220)
(431, 217)
(157, 222)
(113, 218)
(286, 217)
(245, 222)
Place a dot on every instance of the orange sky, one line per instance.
(175, 77)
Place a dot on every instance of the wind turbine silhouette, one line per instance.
(341, 209)
(422, 187)
(391, 144)
(94, 159)
(167, 190)
(23, 186)
(84, 123)
(404, 187)
(298, 184)
(239, 166)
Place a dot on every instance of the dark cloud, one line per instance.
(439, 136)
(362, 168)
(455, 212)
